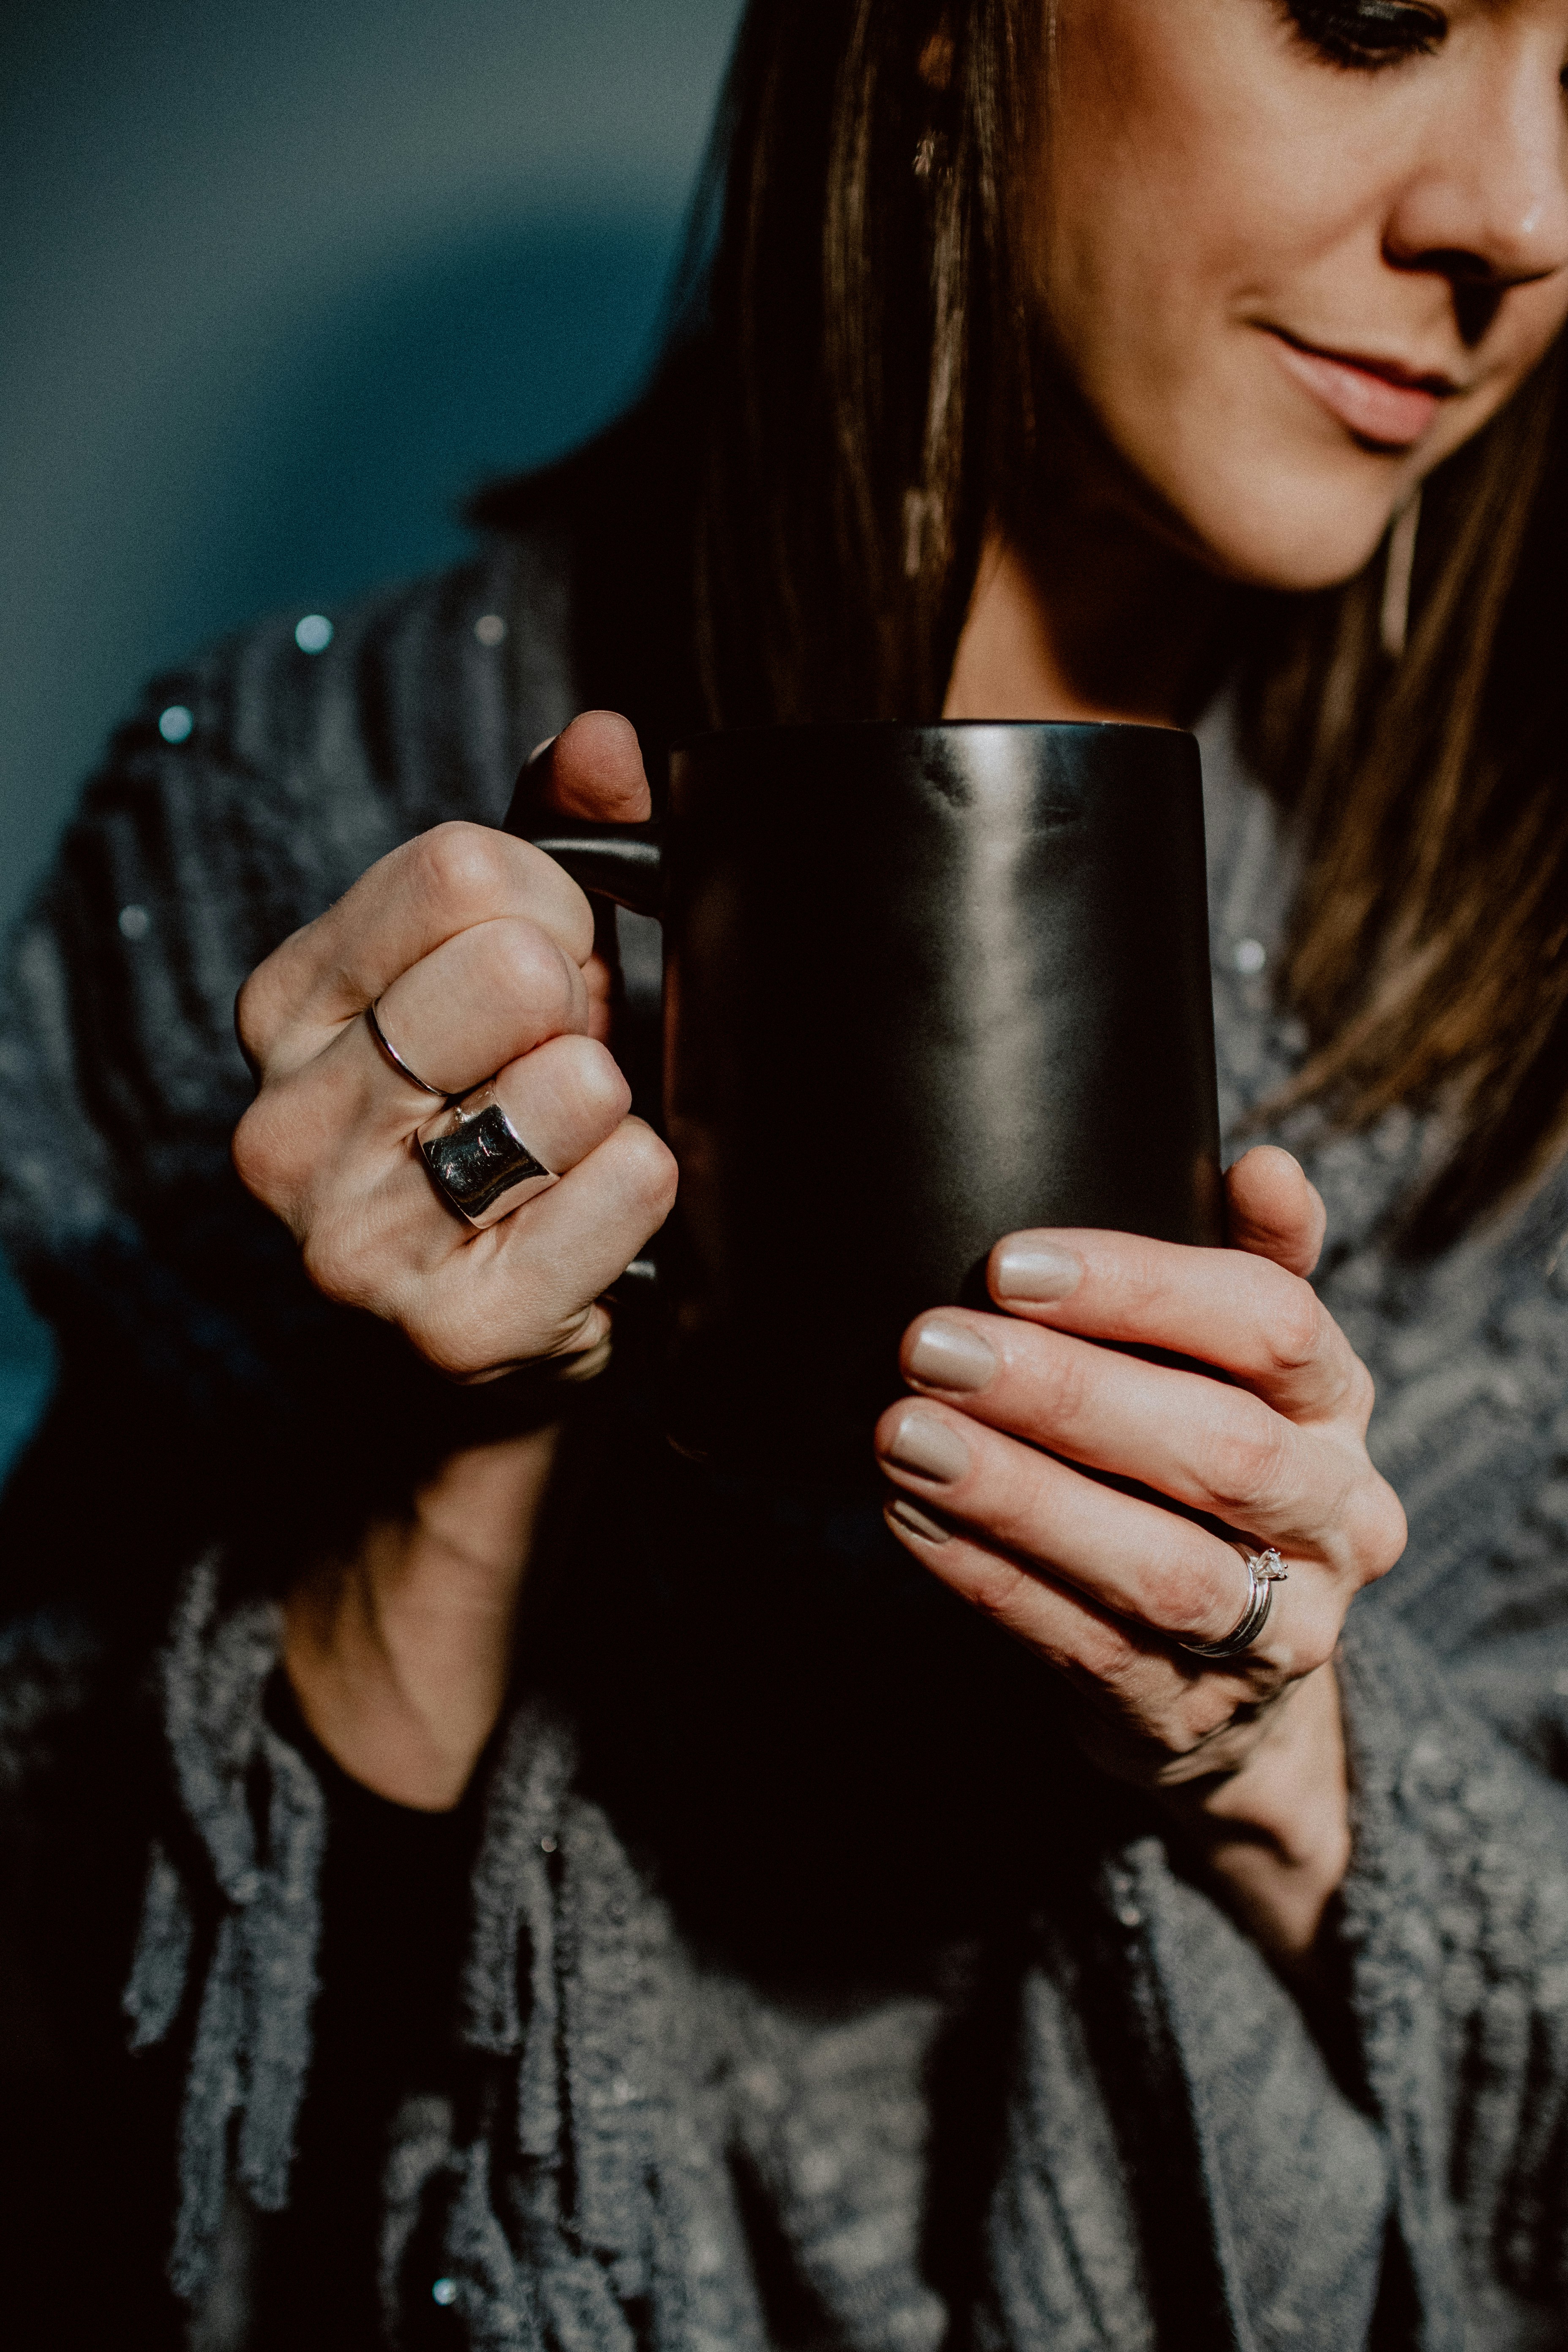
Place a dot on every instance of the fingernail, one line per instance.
(948, 1355)
(1029, 1268)
(929, 1446)
(918, 1522)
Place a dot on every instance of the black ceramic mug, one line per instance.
(923, 986)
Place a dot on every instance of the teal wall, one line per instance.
(281, 280)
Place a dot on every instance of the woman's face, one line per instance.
(1296, 251)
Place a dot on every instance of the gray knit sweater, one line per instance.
(650, 2126)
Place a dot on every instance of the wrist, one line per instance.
(1274, 1831)
(399, 1655)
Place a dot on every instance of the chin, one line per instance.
(1290, 529)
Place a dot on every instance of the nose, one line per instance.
(1487, 204)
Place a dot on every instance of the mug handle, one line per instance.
(623, 862)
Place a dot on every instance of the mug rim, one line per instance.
(886, 727)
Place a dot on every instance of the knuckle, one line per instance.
(1208, 1713)
(530, 971)
(571, 908)
(1138, 1276)
(1310, 1633)
(447, 1352)
(334, 1265)
(598, 1078)
(468, 1338)
(1361, 1392)
(469, 871)
(1000, 1589)
(576, 1334)
(1250, 1458)
(1074, 1375)
(254, 1021)
(1376, 1525)
(1061, 1375)
(455, 1342)
(269, 997)
(263, 1156)
(1106, 1662)
(460, 865)
(1314, 1649)
(1195, 1601)
(647, 1168)
(326, 1266)
(1295, 1322)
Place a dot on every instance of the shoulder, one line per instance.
(252, 784)
(246, 790)
(330, 736)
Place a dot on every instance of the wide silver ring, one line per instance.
(395, 1057)
(1265, 1570)
(478, 1162)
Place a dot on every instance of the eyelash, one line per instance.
(1367, 34)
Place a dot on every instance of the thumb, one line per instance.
(591, 768)
(1273, 1209)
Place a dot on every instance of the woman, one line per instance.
(842, 1971)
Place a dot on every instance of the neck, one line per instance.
(1097, 620)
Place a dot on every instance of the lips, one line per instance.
(1380, 401)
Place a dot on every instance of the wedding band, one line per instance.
(395, 1057)
(478, 1162)
(1265, 1570)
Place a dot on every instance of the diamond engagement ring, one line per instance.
(1265, 1570)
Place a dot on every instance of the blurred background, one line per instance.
(281, 281)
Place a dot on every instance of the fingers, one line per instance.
(593, 769)
(478, 953)
(529, 1286)
(564, 1099)
(1106, 1585)
(480, 1000)
(447, 881)
(1152, 1571)
(374, 1234)
(600, 979)
(1164, 1707)
(1227, 1307)
(1274, 1210)
(1204, 1443)
(333, 1142)
(409, 904)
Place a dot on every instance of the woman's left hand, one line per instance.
(1106, 1585)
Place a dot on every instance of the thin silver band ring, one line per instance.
(1265, 1570)
(395, 1058)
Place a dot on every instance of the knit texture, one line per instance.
(659, 2146)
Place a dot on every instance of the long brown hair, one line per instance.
(864, 302)
(851, 398)
(1430, 947)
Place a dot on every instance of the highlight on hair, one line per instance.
(863, 296)
(852, 395)
(1429, 950)
(874, 406)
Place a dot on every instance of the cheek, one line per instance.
(1533, 318)
(1200, 185)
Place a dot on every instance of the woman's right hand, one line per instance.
(480, 951)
